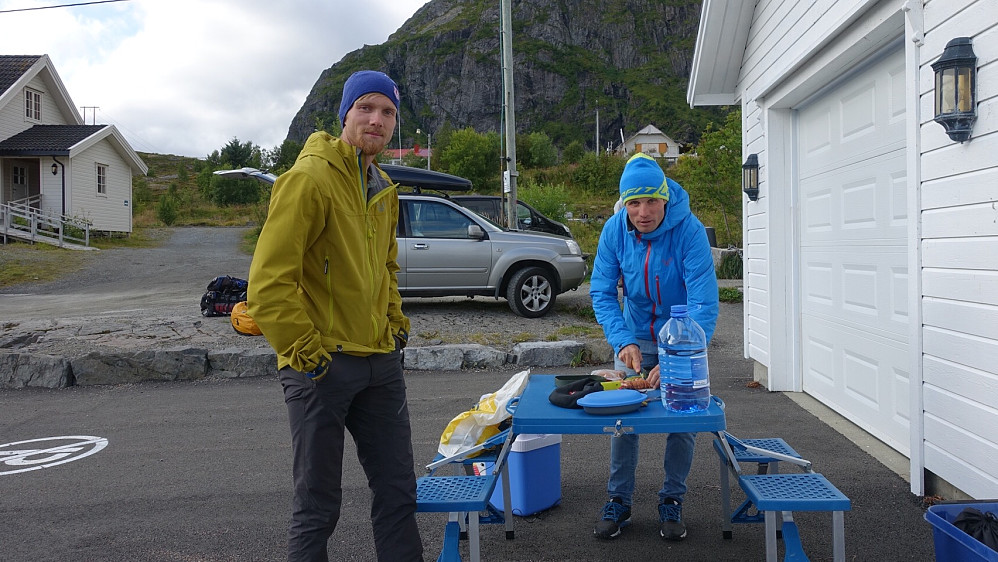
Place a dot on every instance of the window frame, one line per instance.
(18, 172)
(32, 105)
(101, 175)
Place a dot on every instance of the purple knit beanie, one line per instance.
(365, 82)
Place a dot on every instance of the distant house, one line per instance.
(51, 160)
(652, 142)
(396, 154)
(871, 255)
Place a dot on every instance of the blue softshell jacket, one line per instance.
(671, 265)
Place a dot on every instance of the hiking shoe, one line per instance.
(614, 518)
(670, 513)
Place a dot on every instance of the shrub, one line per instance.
(730, 267)
(551, 200)
(573, 153)
(226, 191)
(167, 210)
(599, 173)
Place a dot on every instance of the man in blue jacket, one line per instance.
(659, 249)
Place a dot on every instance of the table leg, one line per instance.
(838, 536)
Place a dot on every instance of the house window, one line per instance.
(32, 104)
(101, 179)
(19, 176)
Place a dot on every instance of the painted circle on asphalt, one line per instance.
(46, 452)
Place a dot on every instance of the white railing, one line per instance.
(24, 220)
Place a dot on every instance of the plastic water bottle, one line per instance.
(682, 360)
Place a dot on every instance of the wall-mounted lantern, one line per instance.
(956, 88)
(750, 177)
(55, 169)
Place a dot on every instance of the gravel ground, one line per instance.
(131, 297)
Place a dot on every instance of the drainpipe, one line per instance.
(61, 165)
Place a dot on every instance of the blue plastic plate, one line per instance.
(612, 401)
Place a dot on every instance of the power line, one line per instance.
(61, 6)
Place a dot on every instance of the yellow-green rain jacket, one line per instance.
(323, 278)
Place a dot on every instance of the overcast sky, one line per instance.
(186, 76)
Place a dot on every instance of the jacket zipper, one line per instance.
(654, 304)
(329, 291)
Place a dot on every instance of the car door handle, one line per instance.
(420, 246)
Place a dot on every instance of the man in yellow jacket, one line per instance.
(324, 292)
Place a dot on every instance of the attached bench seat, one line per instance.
(465, 498)
(809, 491)
(758, 451)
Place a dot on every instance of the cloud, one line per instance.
(186, 76)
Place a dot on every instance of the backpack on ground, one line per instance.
(242, 322)
(223, 292)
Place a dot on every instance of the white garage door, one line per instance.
(853, 250)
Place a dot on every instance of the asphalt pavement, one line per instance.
(201, 471)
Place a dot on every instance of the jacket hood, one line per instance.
(331, 149)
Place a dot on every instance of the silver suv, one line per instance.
(448, 250)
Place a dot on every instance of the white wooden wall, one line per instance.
(112, 211)
(959, 254)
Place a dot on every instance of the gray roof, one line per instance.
(44, 140)
(12, 67)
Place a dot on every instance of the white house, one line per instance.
(51, 159)
(652, 142)
(871, 252)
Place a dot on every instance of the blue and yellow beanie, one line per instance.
(643, 177)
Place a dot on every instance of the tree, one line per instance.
(283, 157)
(535, 150)
(572, 153)
(474, 156)
(238, 155)
(713, 175)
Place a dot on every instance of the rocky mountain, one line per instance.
(628, 60)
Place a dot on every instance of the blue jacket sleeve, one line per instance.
(603, 287)
(701, 280)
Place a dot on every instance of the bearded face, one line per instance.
(369, 123)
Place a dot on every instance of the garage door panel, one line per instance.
(853, 251)
(865, 290)
(859, 376)
(855, 120)
(858, 109)
(862, 203)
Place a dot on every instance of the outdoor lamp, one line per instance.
(55, 169)
(750, 177)
(956, 88)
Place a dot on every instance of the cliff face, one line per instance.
(628, 59)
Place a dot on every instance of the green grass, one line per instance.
(26, 263)
(729, 294)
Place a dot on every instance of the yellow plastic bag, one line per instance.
(476, 425)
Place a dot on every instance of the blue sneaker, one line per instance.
(670, 514)
(613, 519)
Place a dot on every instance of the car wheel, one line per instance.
(531, 292)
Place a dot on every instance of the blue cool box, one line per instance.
(952, 544)
(534, 473)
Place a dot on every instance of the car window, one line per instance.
(523, 214)
(433, 219)
(484, 207)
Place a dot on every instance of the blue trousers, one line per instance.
(677, 460)
(366, 396)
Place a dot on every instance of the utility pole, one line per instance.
(597, 130)
(509, 178)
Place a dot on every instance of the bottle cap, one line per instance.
(679, 310)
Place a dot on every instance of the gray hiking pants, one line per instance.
(365, 395)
